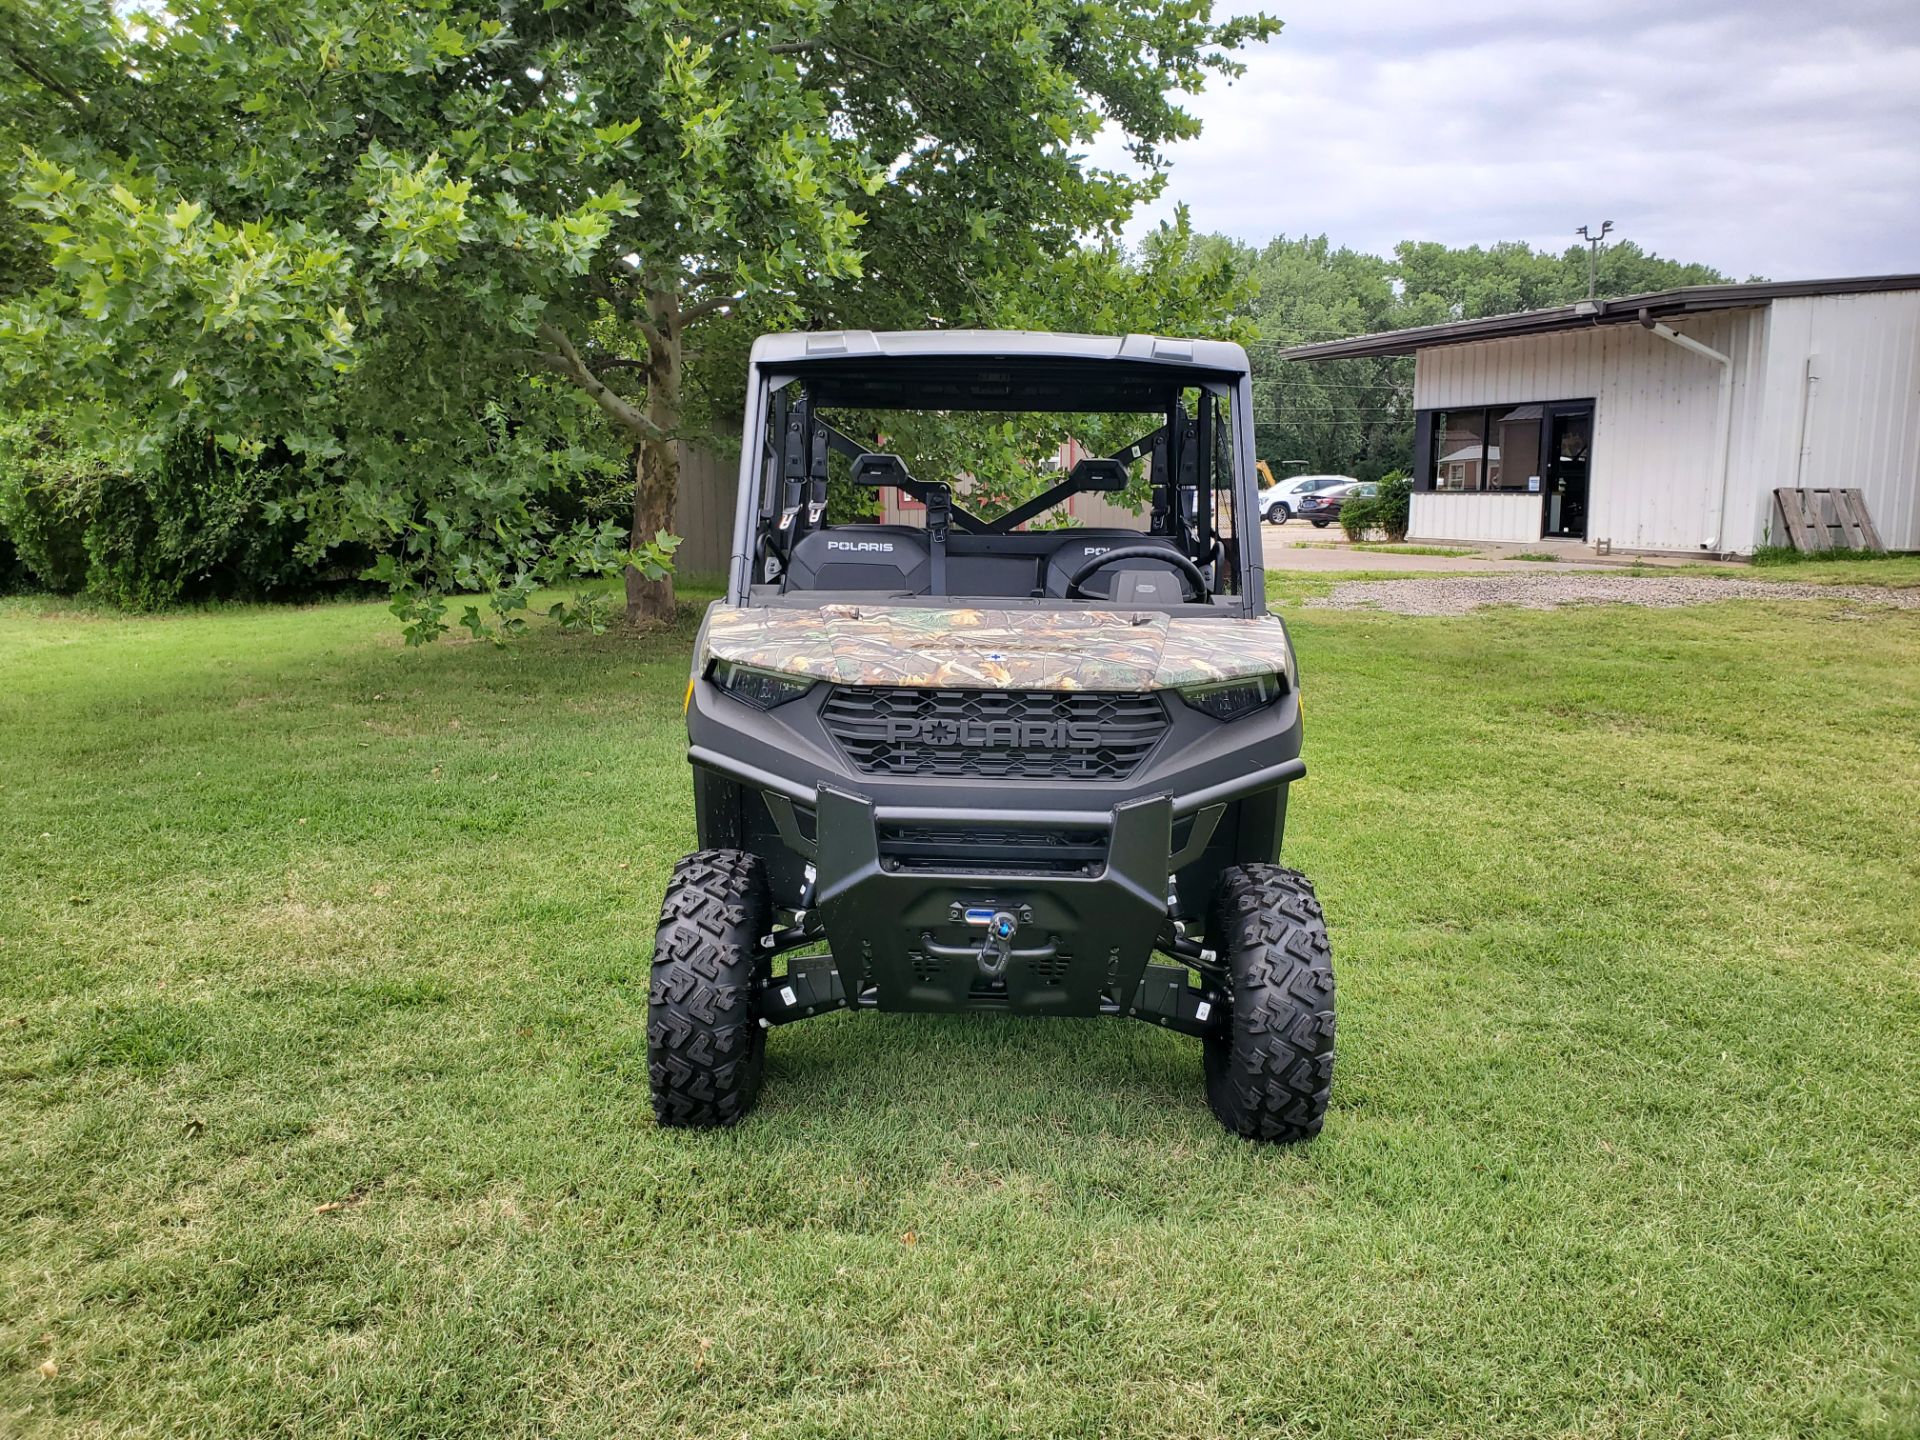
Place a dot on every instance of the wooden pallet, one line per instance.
(1826, 520)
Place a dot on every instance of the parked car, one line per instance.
(1322, 507)
(1280, 503)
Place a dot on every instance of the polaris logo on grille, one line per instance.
(993, 734)
(970, 734)
(871, 547)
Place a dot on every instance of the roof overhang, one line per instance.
(821, 346)
(1630, 309)
(997, 369)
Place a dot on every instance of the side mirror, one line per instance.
(1098, 473)
(878, 469)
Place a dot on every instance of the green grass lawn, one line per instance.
(1841, 569)
(1380, 548)
(322, 992)
(1894, 572)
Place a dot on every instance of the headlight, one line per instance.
(762, 689)
(1230, 699)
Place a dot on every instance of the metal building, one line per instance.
(1665, 422)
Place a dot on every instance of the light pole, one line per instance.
(1593, 252)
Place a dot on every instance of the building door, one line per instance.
(1563, 516)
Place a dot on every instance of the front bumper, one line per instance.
(899, 892)
(899, 926)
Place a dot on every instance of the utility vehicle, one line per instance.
(945, 760)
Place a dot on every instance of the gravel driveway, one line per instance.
(1548, 592)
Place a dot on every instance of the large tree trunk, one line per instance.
(656, 465)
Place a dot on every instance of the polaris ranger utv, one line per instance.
(989, 767)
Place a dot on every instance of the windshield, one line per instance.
(979, 497)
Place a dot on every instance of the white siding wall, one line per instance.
(1651, 485)
(1489, 518)
(1842, 408)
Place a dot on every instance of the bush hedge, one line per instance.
(197, 524)
(1385, 511)
(49, 488)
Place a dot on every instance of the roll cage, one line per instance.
(1194, 399)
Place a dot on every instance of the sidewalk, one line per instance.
(1300, 548)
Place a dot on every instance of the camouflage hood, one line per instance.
(1057, 649)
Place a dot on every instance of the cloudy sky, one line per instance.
(1761, 137)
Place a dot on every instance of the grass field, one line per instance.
(1377, 548)
(1895, 572)
(322, 990)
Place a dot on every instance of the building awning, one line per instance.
(1657, 305)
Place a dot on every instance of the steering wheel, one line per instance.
(1189, 571)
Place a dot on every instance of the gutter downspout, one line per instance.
(1809, 378)
(1723, 429)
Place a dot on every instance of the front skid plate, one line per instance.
(811, 986)
(1083, 943)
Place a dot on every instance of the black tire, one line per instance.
(706, 1048)
(1321, 524)
(1279, 514)
(1270, 1074)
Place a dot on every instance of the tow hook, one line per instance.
(998, 946)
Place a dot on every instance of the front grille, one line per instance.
(992, 850)
(994, 734)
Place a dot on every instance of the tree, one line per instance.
(1356, 416)
(1175, 283)
(1440, 283)
(386, 236)
(1344, 417)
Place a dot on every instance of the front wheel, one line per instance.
(1270, 1073)
(1278, 514)
(706, 1048)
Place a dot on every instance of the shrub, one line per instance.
(1393, 504)
(195, 521)
(1386, 511)
(49, 488)
(1357, 517)
(195, 526)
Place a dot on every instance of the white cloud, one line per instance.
(1761, 138)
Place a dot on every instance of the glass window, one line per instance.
(1517, 456)
(1496, 448)
(1459, 449)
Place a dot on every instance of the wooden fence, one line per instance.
(703, 515)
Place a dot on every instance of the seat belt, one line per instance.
(793, 458)
(939, 503)
(817, 477)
